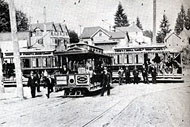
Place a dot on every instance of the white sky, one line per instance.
(91, 12)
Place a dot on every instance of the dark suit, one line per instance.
(136, 76)
(49, 82)
(106, 78)
(127, 76)
(145, 75)
(154, 74)
(32, 83)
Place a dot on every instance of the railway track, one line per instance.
(42, 105)
(124, 108)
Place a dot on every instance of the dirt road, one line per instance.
(129, 105)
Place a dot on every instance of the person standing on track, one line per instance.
(154, 74)
(32, 83)
(127, 75)
(106, 80)
(136, 75)
(38, 76)
(49, 83)
(120, 73)
(145, 74)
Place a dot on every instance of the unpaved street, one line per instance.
(129, 105)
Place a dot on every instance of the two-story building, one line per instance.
(176, 42)
(121, 37)
(49, 36)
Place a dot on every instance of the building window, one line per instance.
(100, 34)
(38, 32)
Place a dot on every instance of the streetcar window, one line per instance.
(26, 63)
(44, 62)
(140, 58)
(136, 59)
(49, 62)
(125, 59)
(130, 58)
(33, 62)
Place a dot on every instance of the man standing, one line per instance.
(120, 73)
(49, 83)
(106, 79)
(127, 75)
(145, 74)
(38, 76)
(32, 83)
(154, 74)
(136, 75)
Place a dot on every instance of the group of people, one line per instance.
(145, 71)
(35, 80)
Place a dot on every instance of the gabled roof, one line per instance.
(89, 32)
(50, 26)
(170, 34)
(132, 28)
(117, 35)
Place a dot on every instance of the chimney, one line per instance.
(44, 13)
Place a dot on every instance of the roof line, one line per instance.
(102, 31)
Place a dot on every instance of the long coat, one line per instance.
(32, 82)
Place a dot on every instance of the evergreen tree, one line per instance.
(187, 20)
(164, 26)
(73, 36)
(180, 21)
(22, 20)
(4, 17)
(120, 17)
(148, 33)
(138, 23)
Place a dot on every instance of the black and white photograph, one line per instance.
(94, 63)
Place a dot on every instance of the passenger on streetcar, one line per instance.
(106, 80)
(127, 75)
(91, 73)
(5, 69)
(145, 74)
(135, 75)
(120, 73)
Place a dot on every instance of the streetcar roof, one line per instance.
(81, 54)
(142, 47)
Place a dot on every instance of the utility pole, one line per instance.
(16, 52)
(2, 90)
(154, 23)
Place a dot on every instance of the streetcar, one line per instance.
(32, 59)
(169, 64)
(81, 67)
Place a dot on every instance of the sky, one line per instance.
(89, 13)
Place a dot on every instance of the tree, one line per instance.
(180, 21)
(138, 23)
(187, 20)
(148, 33)
(164, 26)
(73, 36)
(120, 17)
(22, 20)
